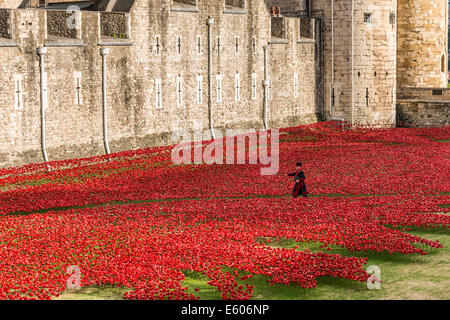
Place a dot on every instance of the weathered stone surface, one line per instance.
(59, 25)
(422, 43)
(113, 24)
(354, 74)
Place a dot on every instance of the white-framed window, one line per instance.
(18, 91)
(295, 85)
(199, 45)
(200, 89)
(179, 91)
(392, 18)
(237, 87)
(179, 44)
(254, 44)
(367, 17)
(158, 93)
(254, 86)
(236, 45)
(158, 46)
(219, 88)
(78, 88)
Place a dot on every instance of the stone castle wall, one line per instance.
(165, 51)
(423, 107)
(422, 43)
(359, 60)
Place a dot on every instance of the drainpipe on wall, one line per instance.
(210, 22)
(41, 52)
(104, 52)
(266, 86)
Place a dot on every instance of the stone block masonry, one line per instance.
(423, 107)
(58, 25)
(157, 77)
(113, 24)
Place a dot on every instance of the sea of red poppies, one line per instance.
(134, 219)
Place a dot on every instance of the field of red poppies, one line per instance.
(135, 220)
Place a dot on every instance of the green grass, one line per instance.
(403, 277)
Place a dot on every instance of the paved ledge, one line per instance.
(63, 44)
(423, 101)
(115, 44)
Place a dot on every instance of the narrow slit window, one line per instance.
(179, 91)
(179, 45)
(158, 45)
(199, 45)
(219, 45)
(199, 89)
(78, 89)
(18, 92)
(158, 93)
(237, 85)
(296, 85)
(254, 86)
(333, 97)
(219, 88)
(367, 97)
(236, 45)
(254, 45)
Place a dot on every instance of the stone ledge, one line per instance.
(424, 101)
(182, 9)
(278, 41)
(8, 44)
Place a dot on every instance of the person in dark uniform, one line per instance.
(299, 179)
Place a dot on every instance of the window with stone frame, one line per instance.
(367, 17)
(392, 18)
